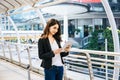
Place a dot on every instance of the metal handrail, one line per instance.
(94, 66)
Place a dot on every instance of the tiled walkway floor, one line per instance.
(10, 71)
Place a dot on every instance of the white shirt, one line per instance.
(56, 60)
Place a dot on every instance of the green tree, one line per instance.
(93, 44)
(108, 35)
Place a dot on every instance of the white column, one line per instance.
(8, 25)
(93, 23)
(114, 35)
(2, 37)
(65, 28)
(15, 27)
(5, 22)
(1, 33)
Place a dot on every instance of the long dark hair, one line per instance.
(50, 23)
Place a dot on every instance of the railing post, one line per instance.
(18, 52)
(10, 53)
(4, 56)
(65, 74)
(29, 56)
(28, 68)
(106, 59)
(90, 66)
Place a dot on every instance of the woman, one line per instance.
(50, 51)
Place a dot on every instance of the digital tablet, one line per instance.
(67, 44)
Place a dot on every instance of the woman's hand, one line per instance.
(57, 51)
(67, 49)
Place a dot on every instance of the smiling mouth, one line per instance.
(54, 32)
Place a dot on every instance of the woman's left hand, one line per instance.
(67, 49)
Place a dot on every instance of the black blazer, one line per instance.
(46, 54)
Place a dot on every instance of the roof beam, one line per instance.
(4, 6)
(9, 3)
(42, 6)
(18, 2)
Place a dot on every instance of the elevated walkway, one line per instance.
(9, 71)
(81, 64)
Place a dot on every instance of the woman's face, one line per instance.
(54, 29)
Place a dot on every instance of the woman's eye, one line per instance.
(55, 28)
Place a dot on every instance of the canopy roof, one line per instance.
(47, 7)
(7, 5)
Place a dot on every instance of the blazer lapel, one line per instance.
(48, 44)
(58, 43)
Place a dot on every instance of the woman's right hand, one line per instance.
(57, 51)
